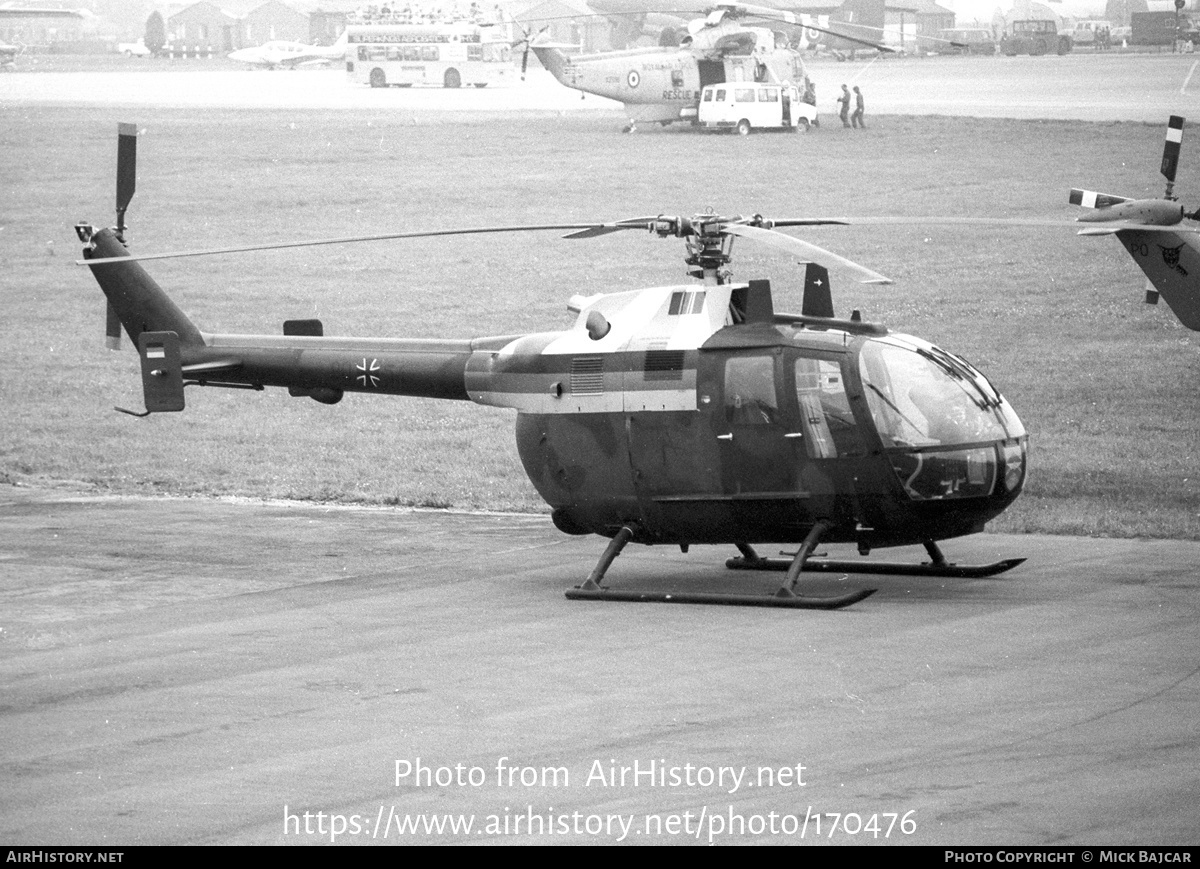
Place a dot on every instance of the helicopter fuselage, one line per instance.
(664, 84)
(755, 433)
(686, 414)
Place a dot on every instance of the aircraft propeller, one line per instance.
(527, 39)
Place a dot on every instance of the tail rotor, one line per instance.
(527, 40)
(1108, 208)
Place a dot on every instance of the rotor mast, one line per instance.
(709, 248)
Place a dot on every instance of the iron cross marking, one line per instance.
(366, 368)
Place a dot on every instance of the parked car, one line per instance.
(967, 40)
(133, 49)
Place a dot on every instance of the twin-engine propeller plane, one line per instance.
(1153, 232)
(695, 413)
(664, 84)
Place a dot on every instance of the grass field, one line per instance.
(1105, 384)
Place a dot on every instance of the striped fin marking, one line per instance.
(1170, 160)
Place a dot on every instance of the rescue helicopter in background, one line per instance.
(696, 413)
(664, 84)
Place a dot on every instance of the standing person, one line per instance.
(857, 117)
(844, 106)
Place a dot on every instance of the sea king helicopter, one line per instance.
(695, 413)
(663, 84)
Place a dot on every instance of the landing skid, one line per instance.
(785, 597)
(937, 566)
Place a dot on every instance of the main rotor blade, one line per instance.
(807, 252)
(932, 220)
(349, 240)
(1013, 222)
(599, 229)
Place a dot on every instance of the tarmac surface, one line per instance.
(177, 671)
(181, 671)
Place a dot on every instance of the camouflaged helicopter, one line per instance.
(687, 414)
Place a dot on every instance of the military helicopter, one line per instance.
(1151, 231)
(663, 84)
(687, 414)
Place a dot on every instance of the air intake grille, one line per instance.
(587, 375)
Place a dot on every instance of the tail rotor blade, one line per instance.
(1093, 199)
(1170, 160)
(126, 171)
(112, 329)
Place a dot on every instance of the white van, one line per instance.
(1088, 32)
(746, 106)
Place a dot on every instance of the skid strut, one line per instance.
(785, 597)
(936, 566)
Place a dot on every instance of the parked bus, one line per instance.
(450, 55)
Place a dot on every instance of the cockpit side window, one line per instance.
(826, 420)
(750, 397)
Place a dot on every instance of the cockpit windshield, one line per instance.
(921, 396)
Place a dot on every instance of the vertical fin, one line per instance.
(818, 297)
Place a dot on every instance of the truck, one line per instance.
(1035, 36)
(1161, 28)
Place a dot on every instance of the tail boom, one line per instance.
(175, 352)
